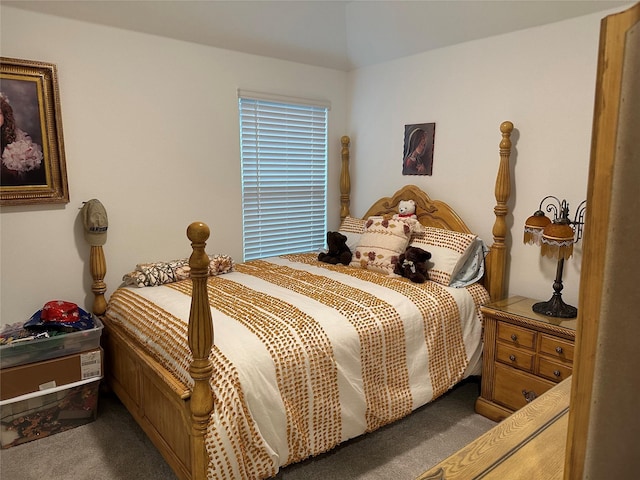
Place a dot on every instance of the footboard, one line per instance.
(175, 418)
(158, 403)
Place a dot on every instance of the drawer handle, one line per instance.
(557, 373)
(514, 337)
(559, 350)
(529, 396)
(512, 358)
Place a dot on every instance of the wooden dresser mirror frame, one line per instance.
(600, 424)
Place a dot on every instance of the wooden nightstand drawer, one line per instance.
(516, 357)
(512, 387)
(553, 371)
(517, 336)
(556, 347)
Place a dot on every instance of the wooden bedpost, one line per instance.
(98, 269)
(200, 342)
(497, 261)
(345, 179)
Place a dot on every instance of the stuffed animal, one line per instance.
(338, 251)
(406, 209)
(412, 264)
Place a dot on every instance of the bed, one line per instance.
(306, 354)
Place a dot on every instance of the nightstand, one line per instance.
(525, 354)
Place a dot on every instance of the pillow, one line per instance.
(473, 268)
(382, 243)
(159, 273)
(457, 258)
(352, 228)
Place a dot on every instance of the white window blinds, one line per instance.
(284, 176)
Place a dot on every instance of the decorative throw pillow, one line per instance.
(449, 250)
(352, 228)
(382, 243)
(159, 273)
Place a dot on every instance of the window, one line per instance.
(284, 175)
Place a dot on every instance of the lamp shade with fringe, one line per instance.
(557, 241)
(534, 226)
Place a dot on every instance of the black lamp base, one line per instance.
(555, 308)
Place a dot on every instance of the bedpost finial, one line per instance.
(345, 140)
(506, 127)
(505, 144)
(198, 232)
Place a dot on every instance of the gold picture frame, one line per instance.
(32, 157)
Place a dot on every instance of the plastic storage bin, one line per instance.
(56, 372)
(41, 414)
(47, 348)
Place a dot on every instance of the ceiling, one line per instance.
(342, 35)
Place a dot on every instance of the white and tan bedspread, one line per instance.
(307, 355)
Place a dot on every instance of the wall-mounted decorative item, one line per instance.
(418, 149)
(33, 162)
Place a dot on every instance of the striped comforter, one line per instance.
(307, 355)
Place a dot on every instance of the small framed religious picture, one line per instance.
(32, 158)
(418, 149)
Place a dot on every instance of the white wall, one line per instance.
(542, 79)
(150, 129)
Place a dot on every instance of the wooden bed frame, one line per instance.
(175, 418)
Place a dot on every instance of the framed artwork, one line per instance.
(33, 168)
(417, 158)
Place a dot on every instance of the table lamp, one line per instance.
(555, 238)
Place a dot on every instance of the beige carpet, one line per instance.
(113, 447)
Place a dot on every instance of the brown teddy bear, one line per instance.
(338, 251)
(412, 264)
